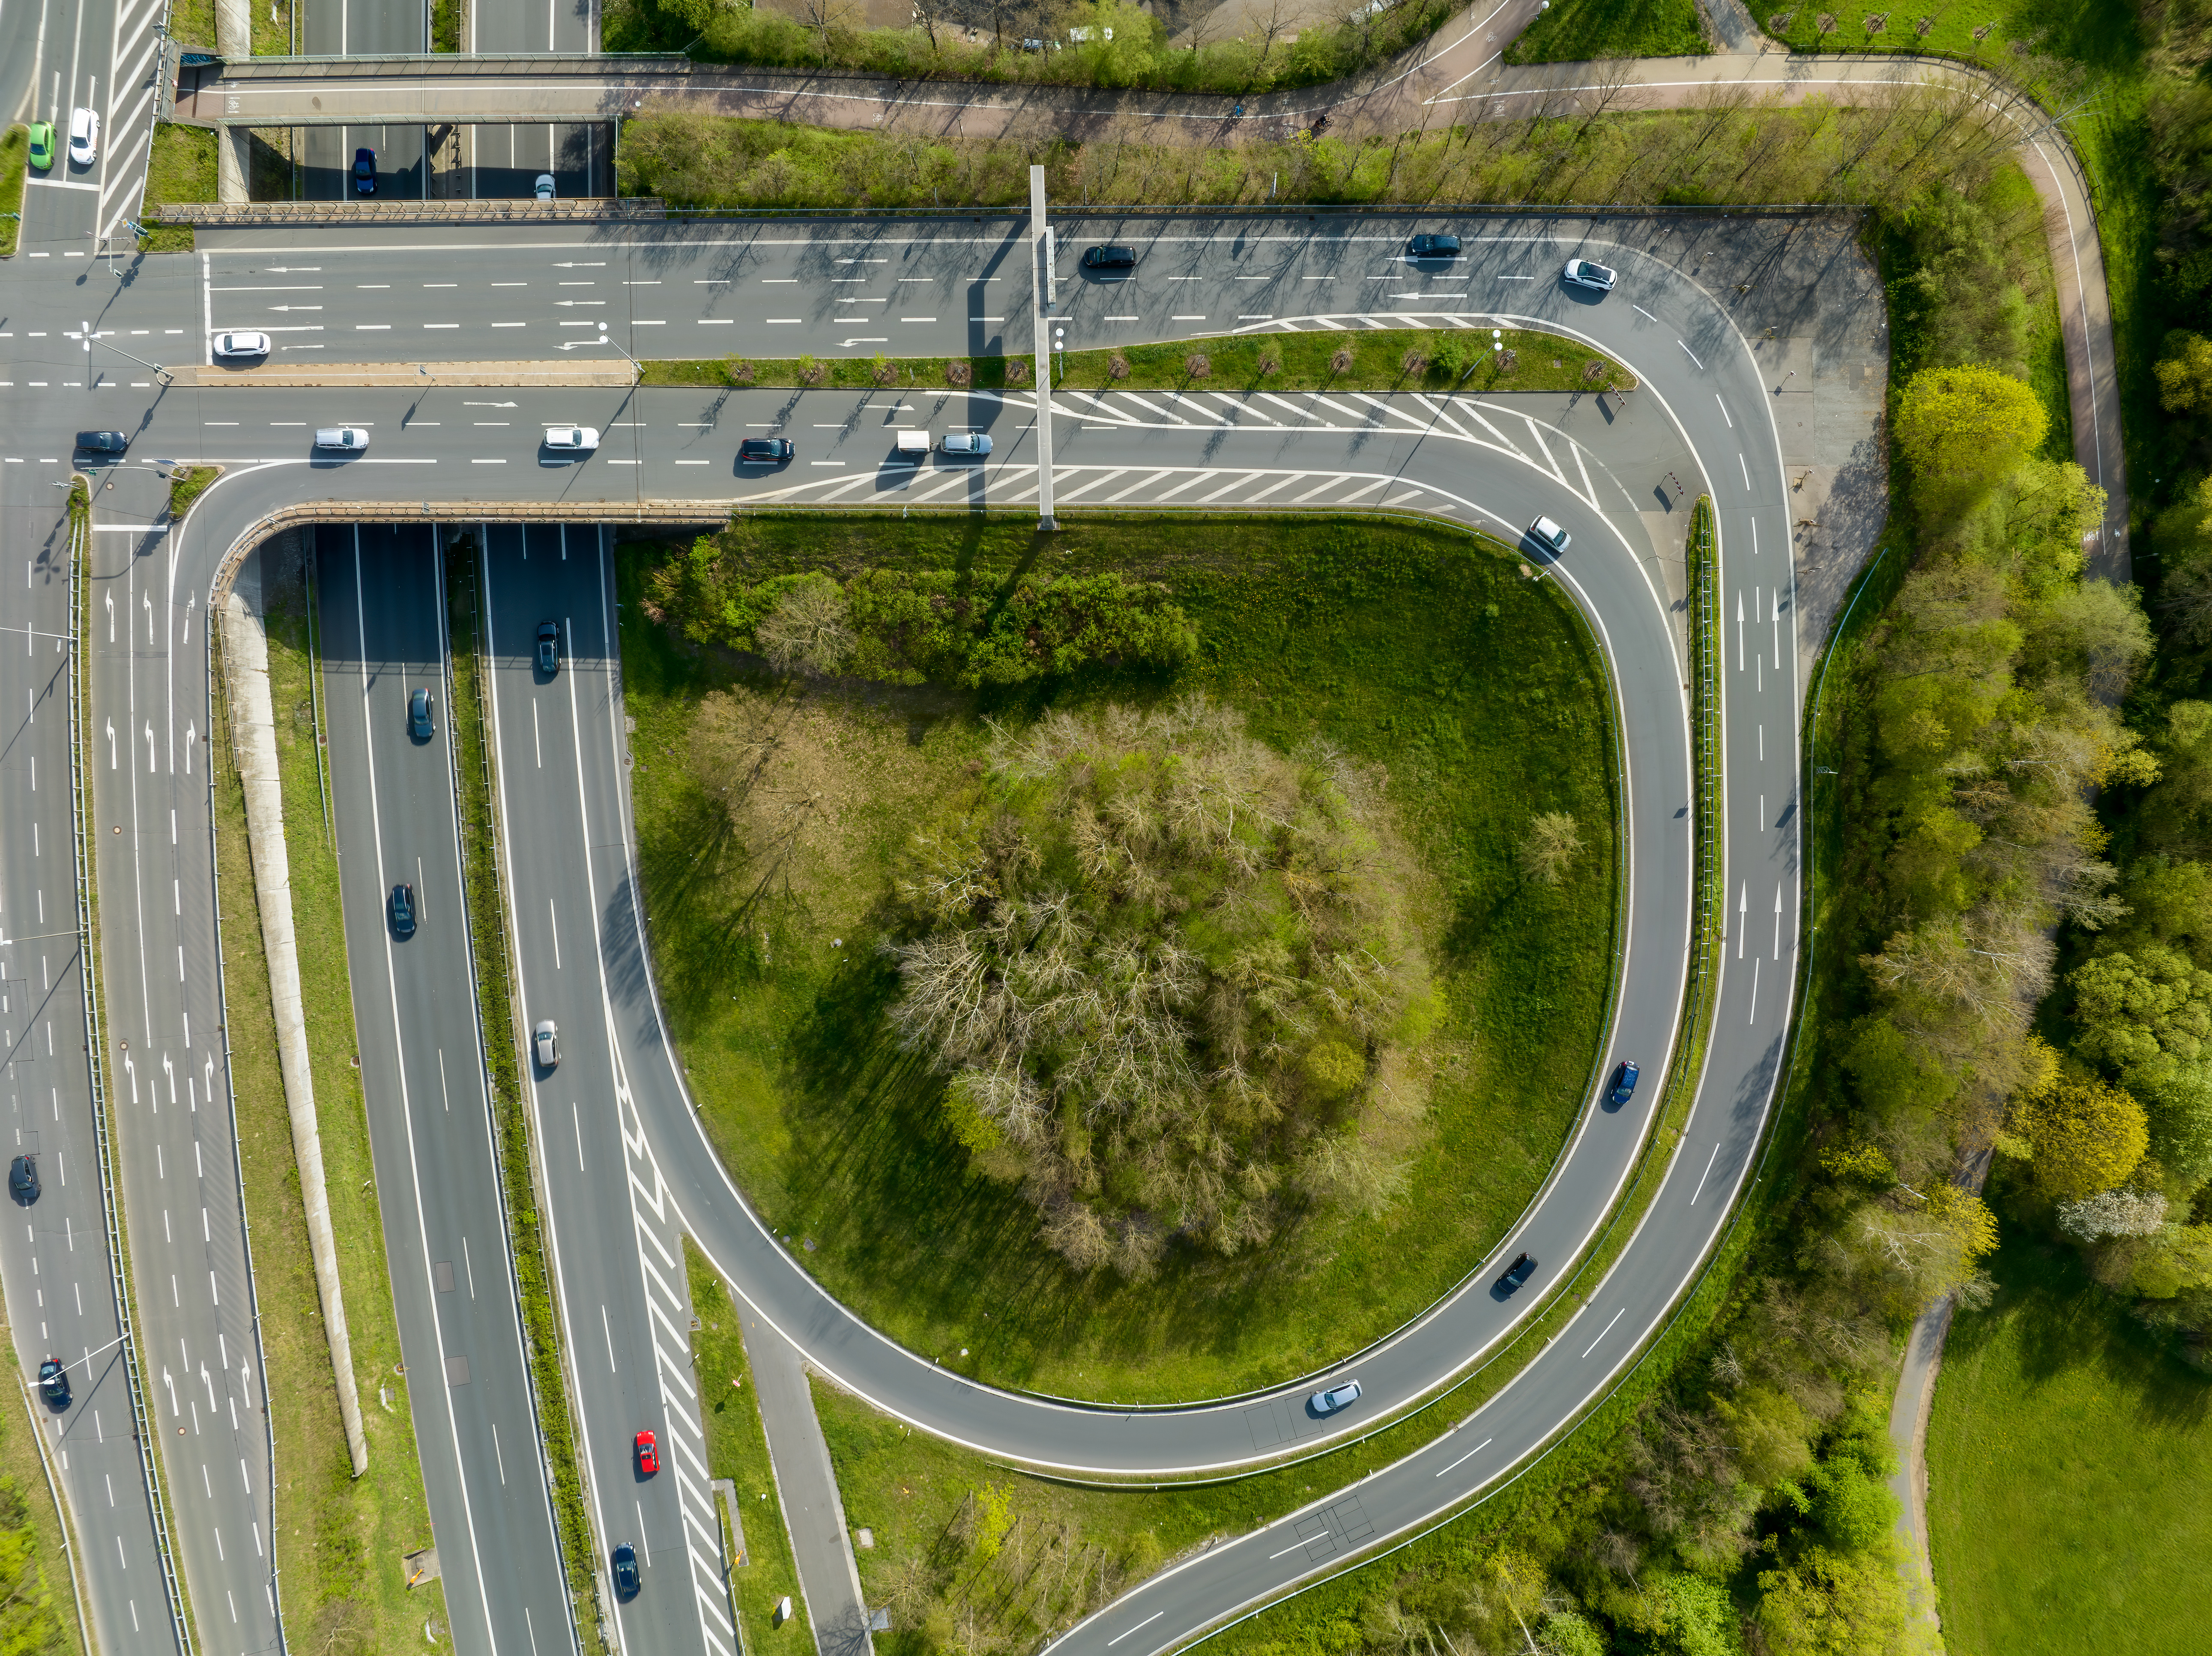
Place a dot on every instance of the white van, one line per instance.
(913, 442)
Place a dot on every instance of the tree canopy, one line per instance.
(2087, 1135)
(1968, 425)
(1170, 979)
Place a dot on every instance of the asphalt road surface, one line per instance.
(1705, 411)
(98, 54)
(422, 1077)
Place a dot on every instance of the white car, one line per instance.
(242, 344)
(544, 187)
(1581, 273)
(84, 137)
(963, 442)
(1550, 534)
(572, 437)
(350, 439)
(546, 1045)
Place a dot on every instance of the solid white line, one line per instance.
(1115, 1640)
(1292, 1548)
(1607, 1330)
(1706, 1174)
(1470, 1454)
(1691, 355)
(1724, 413)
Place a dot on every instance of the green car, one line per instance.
(42, 144)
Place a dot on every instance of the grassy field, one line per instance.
(2068, 1459)
(340, 1540)
(1573, 30)
(737, 1448)
(31, 1537)
(186, 485)
(1387, 360)
(1413, 647)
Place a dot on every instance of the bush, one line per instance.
(1197, 365)
(957, 372)
(1172, 969)
(1339, 359)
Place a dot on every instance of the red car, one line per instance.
(648, 1454)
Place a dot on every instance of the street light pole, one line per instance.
(1043, 280)
(89, 335)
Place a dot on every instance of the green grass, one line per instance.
(1415, 648)
(1575, 30)
(487, 936)
(36, 1525)
(2068, 1457)
(180, 167)
(186, 485)
(15, 160)
(1303, 361)
(2103, 35)
(340, 1540)
(737, 1448)
(191, 23)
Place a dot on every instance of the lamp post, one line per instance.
(89, 335)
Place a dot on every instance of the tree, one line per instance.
(2113, 1213)
(1169, 977)
(1964, 427)
(2184, 374)
(809, 629)
(1554, 842)
(2087, 1135)
(2141, 1011)
(1839, 1605)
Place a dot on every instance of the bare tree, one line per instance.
(828, 18)
(1554, 842)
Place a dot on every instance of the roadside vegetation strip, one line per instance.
(180, 167)
(1115, 45)
(1588, 30)
(186, 485)
(340, 1541)
(1441, 361)
(467, 718)
(1385, 640)
(1748, 150)
(37, 1540)
(14, 159)
(737, 1449)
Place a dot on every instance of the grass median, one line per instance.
(340, 1540)
(495, 980)
(14, 158)
(1439, 361)
(1416, 648)
(180, 167)
(737, 1449)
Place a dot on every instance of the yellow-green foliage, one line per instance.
(1970, 425)
(2087, 1135)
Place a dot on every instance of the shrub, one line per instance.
(882, 370)
(1127, 958)
(1197, 366)
(1018, 372)
(1339, 359)
(957, 372)
(812, 372)
(1117, 367)
(741, 372)
(1414, 361)
(1553, 842)
(1271, 362)
(1508, 361)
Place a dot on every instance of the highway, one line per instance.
(422, 1077)
(97, 55)
(1705, 411)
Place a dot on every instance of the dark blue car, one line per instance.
(1518, 1272)
(625, 1572)
(364, 172)
(1624, 1085)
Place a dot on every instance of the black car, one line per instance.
(548, 648)
(418, 715)
(23, 1178)
(766, 448)
(103, 442)
(53, 1380)
(1110, 259)
(1434, 247)
(403, 909)
(625, 1562)
(364, 172)
(1517, 1273)
(1623, 1084)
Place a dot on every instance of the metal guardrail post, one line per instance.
(142, 1427)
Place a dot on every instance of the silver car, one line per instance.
(546, 1045)
(242, 344)
(1550, 534)
(544, 187)
(351, 440)
(963, 442)
(1581, 273)
(1336, 1397)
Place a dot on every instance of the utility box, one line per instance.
(782, 1609)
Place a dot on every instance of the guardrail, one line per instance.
(111, 1206)
(451, 65)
